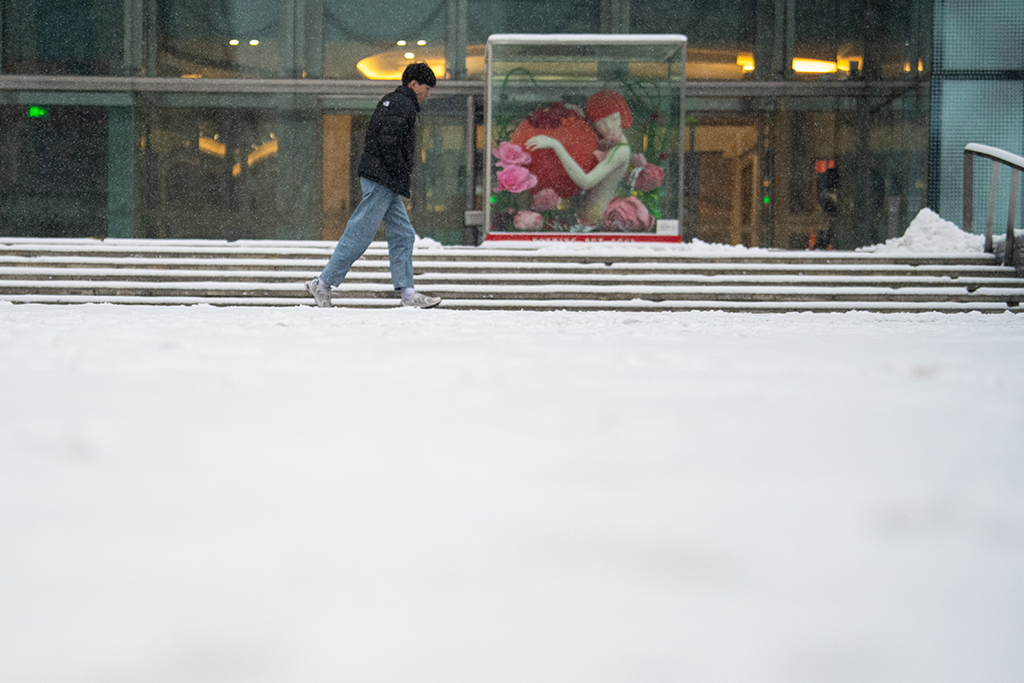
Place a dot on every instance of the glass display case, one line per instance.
(584, 137)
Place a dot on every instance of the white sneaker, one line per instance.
(321, 295)
(422, 301)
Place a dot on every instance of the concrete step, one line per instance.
(504, 278)
(602, 277)
(378, 251)
(300, 268)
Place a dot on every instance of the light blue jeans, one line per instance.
(379, 203)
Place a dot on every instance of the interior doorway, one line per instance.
(724, 152)
(343, 146)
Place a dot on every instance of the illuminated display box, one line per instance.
(584, 137)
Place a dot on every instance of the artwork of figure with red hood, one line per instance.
(560, 152)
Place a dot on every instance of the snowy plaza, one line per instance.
(229, 494)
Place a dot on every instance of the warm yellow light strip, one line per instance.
(388, 66)
(263, 151)
(211, 146)
(802, 65)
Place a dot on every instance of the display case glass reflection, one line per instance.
(584, 136)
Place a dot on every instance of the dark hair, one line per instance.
(419, 72)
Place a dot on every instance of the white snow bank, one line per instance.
(929, 233)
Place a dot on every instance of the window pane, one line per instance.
(721, 34)
(62, 37)
(485, 17)
(720, 24)
(439, 180)
(53, 171)
(225, 172)
(359, 43)
(228, 39)
(438, 194)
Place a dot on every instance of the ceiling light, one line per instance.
(421, 42)
(254, 42)
(409, 55)
(401, 42)
(813, 66)
(233, 41)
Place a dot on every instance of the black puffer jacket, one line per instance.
(390, 141)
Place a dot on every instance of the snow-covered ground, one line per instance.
(194, 494)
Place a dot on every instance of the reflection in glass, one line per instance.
(53, 171)
(229, 173)
(360, 42)
(584, 137)
(229, 39)
(83, 38)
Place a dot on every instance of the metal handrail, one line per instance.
(999, 158)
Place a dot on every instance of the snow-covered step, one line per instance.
(297, 268)
(511, 277)
(606, 277)
(378, 251)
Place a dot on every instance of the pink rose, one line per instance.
(529, 221)
(546, 200)
(650, 178)
(515, 179)
(627, 214)
(512, 155)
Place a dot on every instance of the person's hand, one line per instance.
(542, 142)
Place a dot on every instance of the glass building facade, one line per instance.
(244, 119)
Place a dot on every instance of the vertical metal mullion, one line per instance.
(313, 39)
(456, 38)
(470, 233)
(680, 204)
(470, 194)
(150, 38)
(132, 59)
(286, 54)
(120, 172)
(1, 37)
(968, 222)
(299, 41)
(789, 48)
(488, 115)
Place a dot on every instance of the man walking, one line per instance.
(385, 177)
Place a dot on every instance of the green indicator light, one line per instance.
(493, 200)
(37, 113)
(767, 200)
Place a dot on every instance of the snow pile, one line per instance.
(929, 233)
(699, 246)
(427, 243)
(297, 495)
